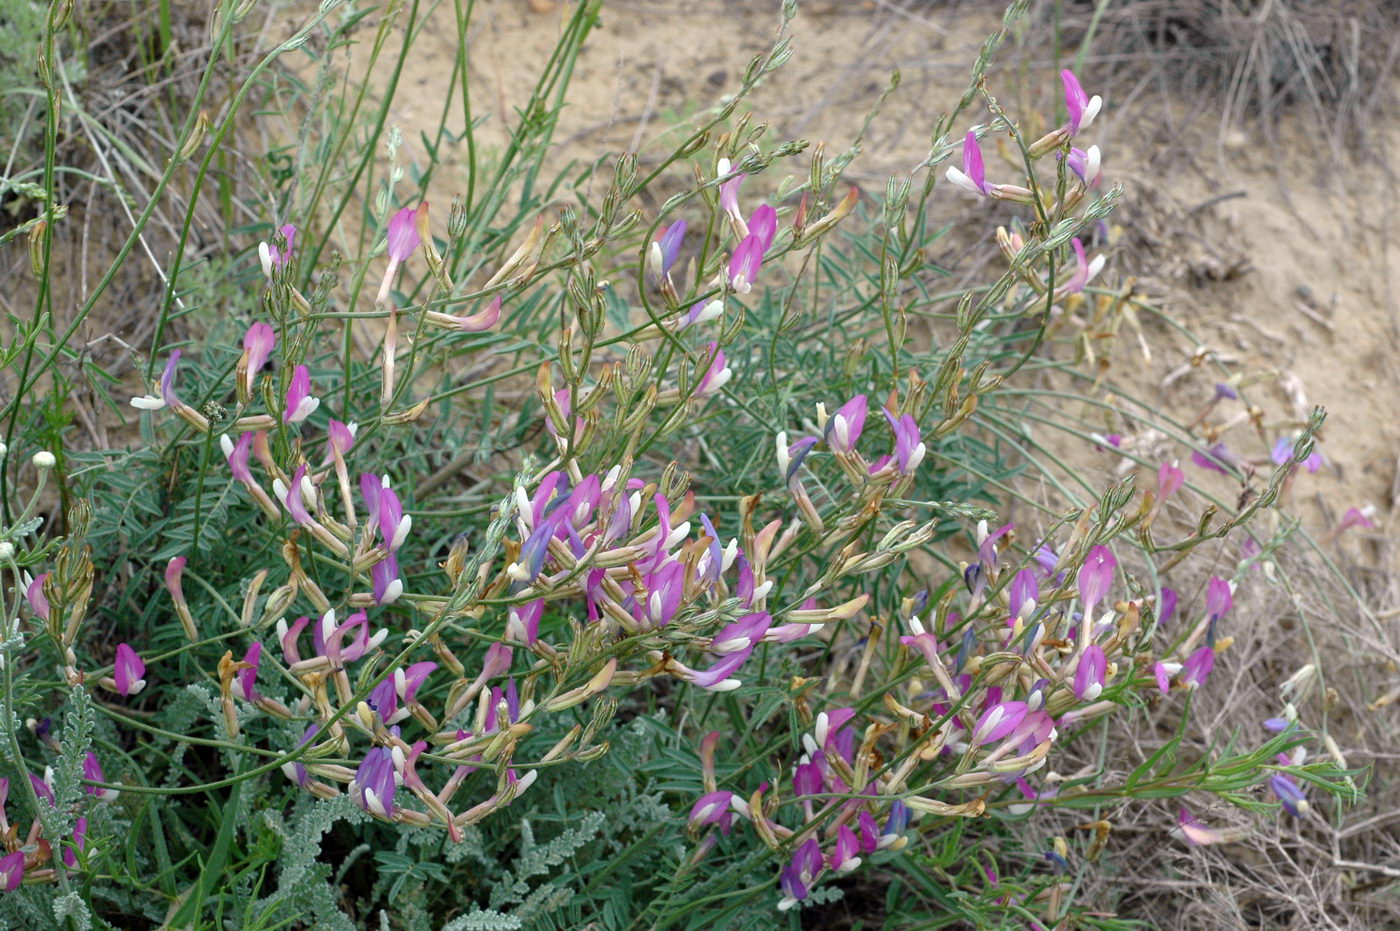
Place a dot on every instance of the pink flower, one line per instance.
(1194, 832)
(764, 225)
(744, 265)
(997, 721)
(34, 594)
(908, 448)
(1169, 479)
(70, 853)
(1197, 667)
(236, 455)
(11, 871)
(128, 670)
(403, 233)
(843, 855)
(1218, 598)
(1084, 270)
(300, 404)
(245, 681)
(1088, 676)
(973, 176)
(729, 191)
(1082, 108)
(273, 258)
(717, 375)
(1096, 577)
(258, 344)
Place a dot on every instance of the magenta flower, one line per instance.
(92, 772)
(908, 448)
(1197, 667)
(764, 225)
(43, 787)
(1096, 577)
(273, 258)
(1169, 479)
(745, 264)
(403, 236)
(717, 375)
(1218, 458)
(798, 876)
(523, 622)
(300, 403)
(1166, 605)
(394, 524)
(973, 176)
(11, 871)
(258, 344)
(236, 455)
(384, 577)
(712, 808)
(1023, 593)
(292, 497)
(1088, 675)
(1163, 672)
(245, 681)
(128, 670)
(373, 786)
(287, 637)
(717, 677)
(729, 191)
(70, 853)
(1082, 108)
(1218, 598)
(1355, 517)
(34, 594)
(844, 428)
(844, 855)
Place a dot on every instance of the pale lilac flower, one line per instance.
(745, 264)
(1166, 605)
(1024, 591)
(1082, 108)
(717, 677)
(300, 403)
(295, 771)
(701, 312)
(743, 634)
(11, 871)
(478, 322)
(1218, 598)
(717, 375)
(712, 808)
(1194, 832)
(844, 428)
(168, 397)
(1084, 270)
(1283, 452)
(128, 670)
(973, 176)
(1197, 667)
(1096, 577)
(1089, 674)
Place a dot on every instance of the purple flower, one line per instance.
(394, 524)
(296, 771)
(1166, 605)
(1085, 164)
(1082, 108)
(1218, 598)
(1088, 675)
(237, 456)
(701, 312)
(797, 877)
(743, 634)
(997, 721)
(1096, 577)
(384, 577)
(1294, 801)
(712, 808)
(42, 788)
(258, 344)
(11, 871)
(128, 670)
(1197, 667)
(300, 404)
(745, 264)
(908, 448)
(844, 428)
(669, 245)
(273, 258)
(716, 678)
(973, 176)
(293, 498)
(168, 397)
(523, 622)
(1024, 591)
(1224, 391)
(1355, 517)
(92, 772)
(70, 854)
(245, 681)
(1283, 452)
(1163, 672)
(1217, 458)
(373, 785)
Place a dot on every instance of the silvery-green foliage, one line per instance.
(72, 906)
(479, 920)
(539, 860)
(303, 882)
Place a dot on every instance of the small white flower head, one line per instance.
(43, 459)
